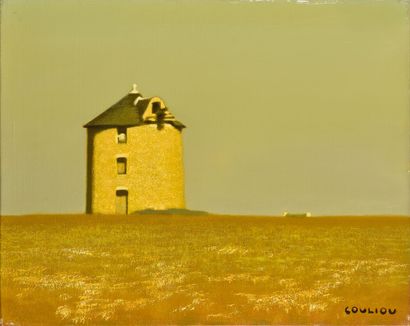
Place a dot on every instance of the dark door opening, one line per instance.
(121, 202)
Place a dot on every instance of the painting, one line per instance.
(216, 162)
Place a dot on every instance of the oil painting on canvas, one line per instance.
(205, 162)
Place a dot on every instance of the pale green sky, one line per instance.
(289, 106)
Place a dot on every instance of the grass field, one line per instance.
(127, 270)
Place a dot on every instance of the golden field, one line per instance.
(209, 269)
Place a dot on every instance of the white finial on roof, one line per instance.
(134, 89)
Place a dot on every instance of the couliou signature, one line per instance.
(362, 310)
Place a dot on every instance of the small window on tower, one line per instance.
(122, 135)
(121, 165)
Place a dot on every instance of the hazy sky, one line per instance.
(289, 106)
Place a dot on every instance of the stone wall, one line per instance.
(154, 178)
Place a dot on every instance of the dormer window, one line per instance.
(122, 135)
(121, 165)
(156, 107)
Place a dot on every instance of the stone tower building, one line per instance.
(134, 157)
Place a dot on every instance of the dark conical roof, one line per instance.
(122, 113)
(127, 112)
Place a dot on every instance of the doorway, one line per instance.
(121, 202)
